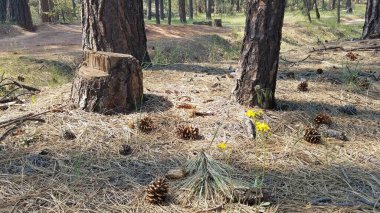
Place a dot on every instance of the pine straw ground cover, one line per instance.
(40, 170)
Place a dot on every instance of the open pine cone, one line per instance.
(323, 118)
(303, 86)
(312, 135)
(157, 191)
(188, 132)
(146, 124)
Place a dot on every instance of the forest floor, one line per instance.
(41, 169)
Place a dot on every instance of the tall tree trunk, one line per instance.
(157, 11)
(238, 6)
(258, 64)
(19, 11)
(162, 9)
(169, 12)
(115, 26)
(348, 6)
(3, 10)
(74, 8)
(191, 10)
(333, 3)
(338, 12)
(371, 27)
(182, 11)
(307, 6)
(208, 9)
(149, 10)
(316, 9)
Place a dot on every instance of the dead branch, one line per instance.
(295, 62)
(9, 131)
(30, 88)
(363, 48)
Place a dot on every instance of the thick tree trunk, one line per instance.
(258, 64)
(338, 12)
(182, 11)
(191, 10)
(3, 10)
(332, 5)
(208, 9)
(349, 6)
(149, 10)
(162, 9)
(19, 11)
(371, 27)
(169, 12)
(115, 26)
(316, 9)
(157, 11)
(108, 83)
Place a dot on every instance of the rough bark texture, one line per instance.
(108, 83)
(3, 10)
(208, 9)
(115, 26)
(371, 27)
(149, 10)
(169, 12)
(191, 10)
(19, 11)
(157, 11)
(182, 10)
(258, 64)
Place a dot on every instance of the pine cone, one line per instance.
(188, 132)
(157, 191)
(320, 71)
(323, 118)
(146, 124)
(303, 86)
(312, 136)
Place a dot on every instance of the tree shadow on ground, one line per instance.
(195, 68)
(155, 103)
(62, 68)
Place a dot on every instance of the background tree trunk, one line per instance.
(182, 11)
(149, 10)
(74, 8)
(44, 9)
(348, 6)
(115, 26)
(162, 9)
(307, 6)
(3, 10)
(338, 12)
(19, 11)
(208, 9)
(157, 11)
(258, 64)
(191, 10)
(371, 27)
(169, 12)
(238, 6)
(316, 9)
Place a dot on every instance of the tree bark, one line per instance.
(316, 9)
(169, 12)
(19, 11)
(45, 7)
(307, 6)
(349, 6)
(338, 12)
(182, 11)
(191, 10)
(258, 64)
(208, 9)
(108, 83)
(157, 11)
(115, 26)
(238, 6)
(162, 10)
(74, 8)
(3, 10)
(371, 27)
(149, 10)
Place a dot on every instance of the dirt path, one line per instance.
(66, 39)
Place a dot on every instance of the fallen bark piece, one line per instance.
(176, 174)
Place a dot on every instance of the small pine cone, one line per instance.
(146, 124)
(303, 86)
(188, 132)
(157, 191)
(323, 118)
(312, 136)
(320, 71)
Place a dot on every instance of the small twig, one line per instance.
(295, 62)
(26, 86)
(9, 131)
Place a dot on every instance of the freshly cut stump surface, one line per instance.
(108, 83)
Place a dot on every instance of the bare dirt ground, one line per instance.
(40, 170)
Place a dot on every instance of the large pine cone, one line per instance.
(323, 118)
(188, 132)
(157, 191)
(312, 135)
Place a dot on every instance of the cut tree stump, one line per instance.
(218, 22)
(108, 83)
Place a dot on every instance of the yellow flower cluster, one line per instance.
(252, 114)
(222, 146)
(262, 126)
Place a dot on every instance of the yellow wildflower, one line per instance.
(222, 146)
(252, 114)
(262, 127)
